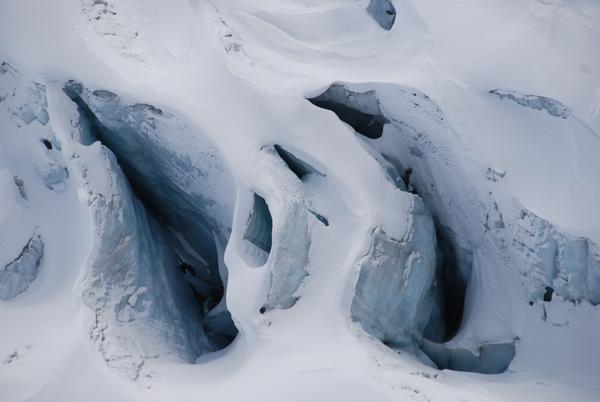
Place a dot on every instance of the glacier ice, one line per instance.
(383, 12)
(288, 258)
(549, 105)
(158, 237)
(395, 299)
(256, 197)
(260, 225)
(417, 141)
(487, 358)
(193, 190)
(358, 109)
(17, 275)
(140, 308)
(566, 265)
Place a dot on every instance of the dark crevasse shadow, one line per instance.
(157, 176)
(384, 305)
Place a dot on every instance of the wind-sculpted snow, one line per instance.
(256, 200)
(17, 276)
(549, 105)
(383, 12)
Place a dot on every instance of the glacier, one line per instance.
(17, 275)
(302, 200)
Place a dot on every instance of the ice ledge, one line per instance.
(549, 105)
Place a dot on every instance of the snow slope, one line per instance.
(284, 199)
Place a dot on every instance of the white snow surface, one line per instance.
(511, 182)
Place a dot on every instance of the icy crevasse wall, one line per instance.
(561, 264)
(474, 216)
(396, 297)
(140, 309)
(176, 169)
(274, 231)
(177, 234)
(182, 178)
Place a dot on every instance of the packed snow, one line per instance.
(302, 200)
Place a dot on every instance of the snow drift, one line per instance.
(349, 200)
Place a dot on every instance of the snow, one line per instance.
(202, 107)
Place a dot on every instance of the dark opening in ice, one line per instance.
(358, 109)
(47, 144)
(189, 233)
(295, 164)
(260, 225)
(453, 287)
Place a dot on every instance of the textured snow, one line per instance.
(300, 200)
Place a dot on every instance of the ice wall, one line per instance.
(471, 216)
(140, 308)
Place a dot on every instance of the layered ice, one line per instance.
(140, 308)
(181, 175)
(469, 218)
(157, 268)
(560, 264)
(396, 293)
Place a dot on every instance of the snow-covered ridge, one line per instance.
(299, 200)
